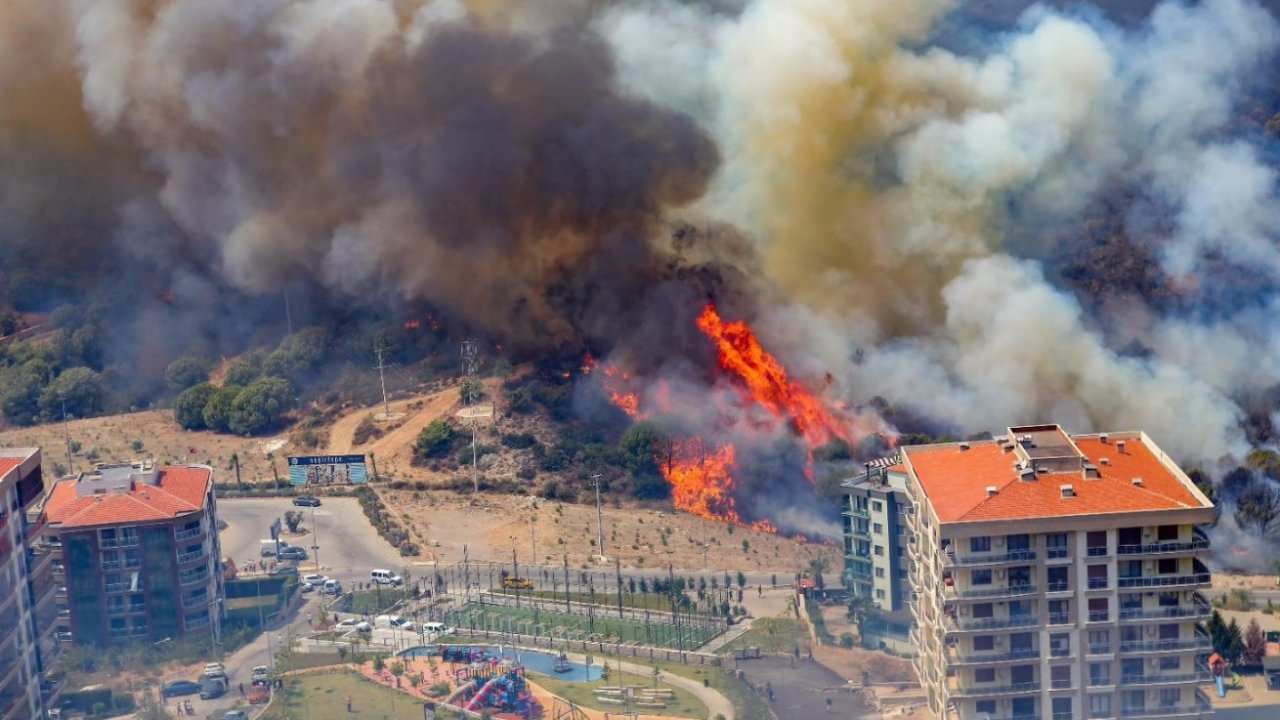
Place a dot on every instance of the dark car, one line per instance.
(307, 501)
(212, 688)
(292, 553)
(181, 687)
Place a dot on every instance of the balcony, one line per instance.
(127, 609)
(992, 592)
(1165, 581)
(1058, 586)
(1099, 616)
(1099, 649)
(1061, 684)
(991, 623)
(1199, 710)
(1197, 610)
(988, 558)
(189, 578)
(118, 542)
(190, 557)
(196, 600)
(188, 533)
(1100, 551)
(992, 690)
(1199, 543)
(1059, 618)
(1199, 642)
(1057, 553)
(122, 587)
(128, 632)
(112, 564)
(955, 658)
(1060, 652)
(1097, 584)
(1199, 676)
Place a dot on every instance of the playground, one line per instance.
(683, 633)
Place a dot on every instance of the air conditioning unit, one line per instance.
(1148, 568)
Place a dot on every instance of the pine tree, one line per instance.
(1235, 645)
(1255, 643)
(1217, 628)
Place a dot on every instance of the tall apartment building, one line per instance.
(1057, 577)
(28, 610)
(140, 546)
(875, 544)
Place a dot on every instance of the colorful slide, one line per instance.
(1222, 686)
(479, 700)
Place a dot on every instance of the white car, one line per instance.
(315, 579)
(364, 627)
(215, 670)
(385, 577)
(348, 622)
(408, 626)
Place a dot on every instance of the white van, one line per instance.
(432, 627)
(332, 587)
(385, 577)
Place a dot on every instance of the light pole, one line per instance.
(595, 478)
(315, 538)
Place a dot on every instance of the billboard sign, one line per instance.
(327, 470)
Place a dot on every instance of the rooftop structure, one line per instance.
(1057, 576)
(128, 493)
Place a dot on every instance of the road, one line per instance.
(349, 546)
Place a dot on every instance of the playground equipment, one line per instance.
(562, 664)
(504, 691)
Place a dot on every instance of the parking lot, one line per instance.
(349, 546)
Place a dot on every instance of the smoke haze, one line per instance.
(886, 189)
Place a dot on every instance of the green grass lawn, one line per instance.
(772, 635)
(684, 704)
(639, 601)
(529, 621)
(323, 697)
(746, 704)
(373, 602)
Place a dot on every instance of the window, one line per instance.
(1171, 662)
(879, 594)
(1097, 576)
(1169, 697)
(987, 707)
(1023, 674)
(1130, 633)
(980, 577)
(1129, 537)
(1019, 608)
(984, 675)
(984, 642)
(1099, 641)
(1130, 601)
(1059, 612)
(1130, 568)
(1168, 566)
(1018, 542)
(980, 544)
(1098, 610)
(1060, 676)
(1168, 632)
(1168, 599)
(1021, 642)
(1056, 540)
(877, 506)
(877, 528)
(1062, 706)
(902, 574)
(1060, 644)
(1097, 542)
(1099, 673)
(1024, 707)
(1131, 670)
(1100, 706)
(1020, 576)
(879, 551)
(1167, 533)
(1135, 699)
(984, 610)
(879, 572)
(1058, 579)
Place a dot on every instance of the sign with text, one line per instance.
(327, 470)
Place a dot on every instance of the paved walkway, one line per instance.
(726, 637)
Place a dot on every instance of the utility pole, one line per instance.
(470, 364)
(617, 569)
(382, 377)
(315, 537)
(533, 535)
(66, 435)
(599, 516)
(466, 574)
(566, 583)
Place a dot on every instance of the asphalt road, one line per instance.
(349, 546)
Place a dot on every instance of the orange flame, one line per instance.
(616, 382)
(767, 382)
(702, 479)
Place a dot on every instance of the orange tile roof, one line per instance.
(956, 482)
(9, 463)
(178, 491)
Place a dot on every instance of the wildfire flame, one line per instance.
(701, 474)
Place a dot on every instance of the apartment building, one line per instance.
(28, 610)
(1058, 577)
(875, 552)
(140, 546)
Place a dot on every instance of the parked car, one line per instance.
(215, 670)
(307, 587)
(315, 579)
(364, 627)
(348, 622)
(180, 687)
(385, 577)
(212, 688)
(260, 671)
(332, 587)
(307, 501)
(291, 553)
(235, 715)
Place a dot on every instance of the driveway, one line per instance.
(349, 546)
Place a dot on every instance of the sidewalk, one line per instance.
(728, 636)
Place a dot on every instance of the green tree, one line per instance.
(259, 406)
(20, 387)
(1255, 643)
(1218, 636)
(298, 354)
(188, 407)
(217, 412)
(817, 567)
(472, 390)
(187, 371)
(246, 369)
(1235, 643)
(79, 387)
(435, 439)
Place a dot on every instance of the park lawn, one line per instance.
(323, 697)
(772, 635)
(374, 602)
(638, 601)
(683, 704)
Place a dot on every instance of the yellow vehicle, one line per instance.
(517, 583)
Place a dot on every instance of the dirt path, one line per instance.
(429, 407)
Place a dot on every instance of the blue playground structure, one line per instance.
(504, 692)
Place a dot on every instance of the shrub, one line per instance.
(188, 408)
(519, 441)
(78, 389)
(259, 406)
(434, 440)
(526, 473)
(217, 412)
(367, 430)
(185, 372)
